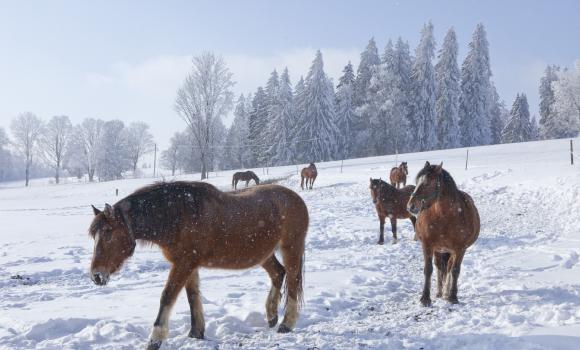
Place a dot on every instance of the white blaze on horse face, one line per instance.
(419, 183)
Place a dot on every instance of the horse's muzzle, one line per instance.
(100, 278)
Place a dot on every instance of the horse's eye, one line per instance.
(107, 235)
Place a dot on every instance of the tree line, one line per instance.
(394, 102)
(101, 150)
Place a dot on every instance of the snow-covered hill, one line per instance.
(519, 287)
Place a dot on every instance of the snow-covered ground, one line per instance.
(519, 287)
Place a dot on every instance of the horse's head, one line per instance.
(427, 190)
(113, 244)
(311, 165)
(404, 168)
(375, 188)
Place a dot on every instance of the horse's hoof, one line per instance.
(426, 302)
(284, 329)
(453, 300)
(273, 322)
(394, 241)
(154, 344)
(438, 295)
(380, 242)
(196, 334)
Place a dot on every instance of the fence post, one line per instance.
(571, 152)
(466, 159)
(341, 162)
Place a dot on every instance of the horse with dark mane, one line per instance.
(399, 175)
(196, 226)
(447, 224)
(309, 173)
(390, 202)
(244, 176)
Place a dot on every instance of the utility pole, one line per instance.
(571, 152)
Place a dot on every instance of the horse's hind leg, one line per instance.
(302, 182)
(413, 221)
(312, 182)
(276, 272)
(441, 263)
(292, 253)
(195, 306)
(453, 271)
(178, 276)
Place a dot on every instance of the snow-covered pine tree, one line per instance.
(318, 123)
(237, 152)
(423, 74)
(497, 112)
(448, 83)
(273, 110)
(518, 127)
(282, 123)
(257, 121)
(401, 95)
(547, 101)
(474, 105)
(346, 117)
(369, 59)
(567, 103)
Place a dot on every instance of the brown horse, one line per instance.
(447, 224)
(399, 175)
(390, 202)
(309, 173)
(244, 176)
(196, 225)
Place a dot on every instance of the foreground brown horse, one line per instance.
(244, 176)
(309, 173)
(390, 202)
(399, 175)
(196, 225)
(447, 224)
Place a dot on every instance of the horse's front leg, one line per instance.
(453, 270)
(381, 230)
(195, 306)
(427, 271)
(178, 276)
(394, 228)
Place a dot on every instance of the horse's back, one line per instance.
(472, 215)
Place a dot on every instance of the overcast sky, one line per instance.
(126, 59)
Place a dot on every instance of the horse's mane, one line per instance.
(446, 179)
(157, 209)
(385, 185)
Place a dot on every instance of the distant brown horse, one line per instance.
(390, 202)
(196, 225)
(399, 175)
(309, 173)
(244, 176)
(447, 224)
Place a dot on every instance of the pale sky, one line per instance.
(126, 59)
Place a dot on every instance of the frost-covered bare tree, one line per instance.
(54, 141)
(204, 97)
(88, 134)
(26, 129)
(139, 142)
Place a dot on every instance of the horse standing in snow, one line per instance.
(399, 174)
(447, 224)
(309, 173)
(196, 225)
(244, 176)
(390, 202)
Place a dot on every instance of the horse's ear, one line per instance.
(95, 210)
(109, 212)
(427, 164)
(439, 168)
